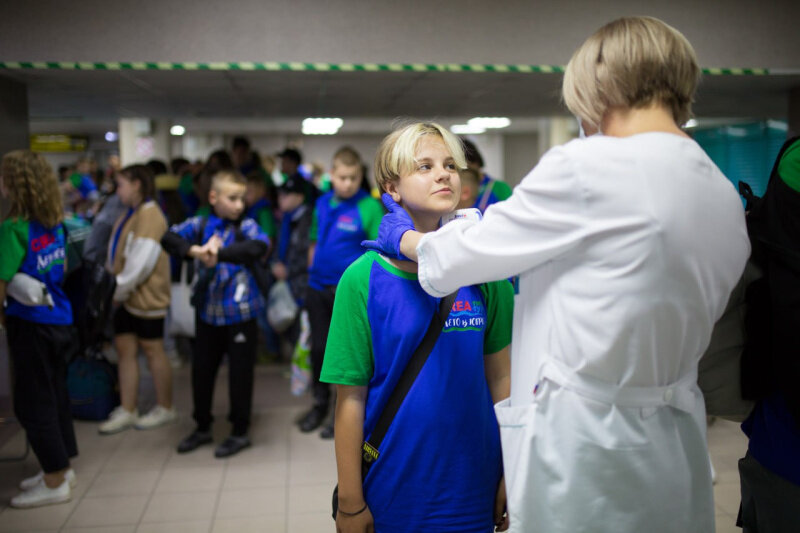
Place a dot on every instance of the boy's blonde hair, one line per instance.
(347, 156)
(396, 153)
(470, 176)
(32, 187)
(231, 176)
(631, 62)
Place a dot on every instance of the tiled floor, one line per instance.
(135, 482)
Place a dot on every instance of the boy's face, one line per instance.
(346, 179)
(433, 188)
(288, 201)
(254, 193)
(227, 199)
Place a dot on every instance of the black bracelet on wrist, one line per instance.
(353, 514)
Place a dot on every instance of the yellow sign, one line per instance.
(59, 143)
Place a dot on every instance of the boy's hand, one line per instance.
(500, 514)
(214, 244)
(393, 225)
(279, 271)
(360, 523)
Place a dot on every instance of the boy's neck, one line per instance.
(405, 266)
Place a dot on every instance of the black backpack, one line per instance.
(771, 357)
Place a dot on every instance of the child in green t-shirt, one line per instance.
(439, 467)
(33, 244)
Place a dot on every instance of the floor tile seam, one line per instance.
(88, 488)
(153, 491)
(219, 496)
(287, 458)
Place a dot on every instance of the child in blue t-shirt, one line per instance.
(343, 217)
(40, 336)
(439, 466)
(227, 301)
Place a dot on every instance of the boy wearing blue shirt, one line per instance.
(227, 301)
(439, 466)
(343, 217)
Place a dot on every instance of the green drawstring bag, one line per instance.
(301, 359)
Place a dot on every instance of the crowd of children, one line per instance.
(241, 233)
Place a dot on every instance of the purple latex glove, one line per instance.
(393, 225)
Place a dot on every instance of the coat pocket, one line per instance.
(517, 439)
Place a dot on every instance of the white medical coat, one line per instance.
(627, 250)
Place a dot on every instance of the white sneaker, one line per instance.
(31, 482)
(118, 420)
(158, 416)
(42, 495)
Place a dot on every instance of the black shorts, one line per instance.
(143, 328)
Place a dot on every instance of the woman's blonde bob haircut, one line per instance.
(397, 152)
(632, 62)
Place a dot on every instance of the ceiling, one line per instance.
(92, 101)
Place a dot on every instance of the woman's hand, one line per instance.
(393, 225)
(360, 523)
(500, 515)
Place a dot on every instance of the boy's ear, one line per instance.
(212, 197)
(391, 188)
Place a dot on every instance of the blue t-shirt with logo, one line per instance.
(440, 461)
(30, 248)
(339, 226)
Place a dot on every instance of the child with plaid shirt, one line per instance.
(227, 301)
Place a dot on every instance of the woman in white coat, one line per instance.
(628, 244)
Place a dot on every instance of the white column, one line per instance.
(143, 139)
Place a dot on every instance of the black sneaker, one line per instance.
(231, 446)
(312, 419)
(193, 441)
(327, 432)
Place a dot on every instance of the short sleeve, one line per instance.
(501, 190)
(348, 357)
(313, 231)
(371, 212)
(14, 243)
(499, 297)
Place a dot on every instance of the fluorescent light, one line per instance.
(777, 125)
(466, 129)
(321, 126)
(489, 122)
(177, 130)
(111, 136)
(691, 123)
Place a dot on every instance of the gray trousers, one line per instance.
(770, 503)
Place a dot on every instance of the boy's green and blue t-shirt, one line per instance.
(30, 248)
(338, 227)
(440, 460)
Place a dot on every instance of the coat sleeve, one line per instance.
(544, 218)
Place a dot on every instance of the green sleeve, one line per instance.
(313, 231)
(789, 166)
(371, 212)
(267, 223)
(14, 243)
(499, 297)
(501, 190)
(348, 354)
